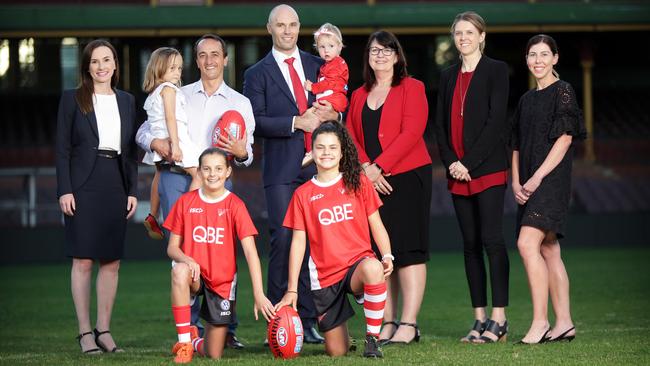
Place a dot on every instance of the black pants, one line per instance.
(480, 217)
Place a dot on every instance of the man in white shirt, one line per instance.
(207, 100)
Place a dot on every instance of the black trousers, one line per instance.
(480, 217)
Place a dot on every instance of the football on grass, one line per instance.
(285, 333)
(231, 121)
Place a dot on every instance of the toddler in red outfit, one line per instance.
(332, 84)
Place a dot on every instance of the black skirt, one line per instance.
(405, 214)
(98, 227)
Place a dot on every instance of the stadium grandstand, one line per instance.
(602, 54)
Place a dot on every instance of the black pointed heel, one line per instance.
(564, 337)
(92, 351)
(416, 337)
(478, 327)
(544, 339)
(500, 331)
(384, 341)
(101, 345)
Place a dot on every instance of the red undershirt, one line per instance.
(476, 185)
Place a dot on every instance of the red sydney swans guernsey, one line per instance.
(209, 228)
(336, 222)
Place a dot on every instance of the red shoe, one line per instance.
(183, 352)
(153, 229)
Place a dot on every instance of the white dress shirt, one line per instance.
(109, 124)
(284, 67)
(203, 112)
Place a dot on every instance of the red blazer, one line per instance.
(401, 127)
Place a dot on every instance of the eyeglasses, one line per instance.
(385, 51)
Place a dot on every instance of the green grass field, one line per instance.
(610, 291)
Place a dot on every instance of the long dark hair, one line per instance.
(349, 164)
(86, 89)
(388, 40)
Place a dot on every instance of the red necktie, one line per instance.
(298, 90)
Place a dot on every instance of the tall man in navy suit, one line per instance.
(274, 87)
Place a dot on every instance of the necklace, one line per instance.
(462, 94)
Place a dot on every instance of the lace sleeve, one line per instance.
(568, 116)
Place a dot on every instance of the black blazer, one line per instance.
(77, 140)
(485, 130)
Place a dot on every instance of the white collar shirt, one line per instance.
(284, 68)
(203, 112)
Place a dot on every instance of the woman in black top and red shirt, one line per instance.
(471, 130)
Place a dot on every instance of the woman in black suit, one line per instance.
(96, 184)
(471, 130)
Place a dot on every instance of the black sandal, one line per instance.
(500, 331)
(101, 345)
(393, 323)
(416, 337)
(92, 351)
(563, 336)
(478, 327)
(545, 338)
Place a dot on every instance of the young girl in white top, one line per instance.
(166, 114)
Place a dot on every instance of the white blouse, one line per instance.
(108, 121)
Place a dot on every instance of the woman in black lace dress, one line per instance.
(546, 122)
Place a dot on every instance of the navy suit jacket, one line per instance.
(274, 107)
(77, 140)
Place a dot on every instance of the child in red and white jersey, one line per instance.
(204, 225)
(337, 210)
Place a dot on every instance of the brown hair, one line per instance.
(547, 40)
(349, 165)
(86, 88)
(214, 37)
(476, 20)
(157, 67)
(388, 40)
(214, 151)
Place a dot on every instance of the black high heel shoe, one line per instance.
(416, 336)
(92, 351)
(101, 345)
(500, 331)
(563, 337)
(544, 339)
(382, 342)
(479, 327)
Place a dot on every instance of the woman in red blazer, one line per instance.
(471, 129)
(386, 119)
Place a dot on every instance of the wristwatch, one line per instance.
(387, 255)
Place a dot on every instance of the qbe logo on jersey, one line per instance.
(208, 235)
(336, 214)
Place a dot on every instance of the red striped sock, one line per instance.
(182, 317)
(374, 297)
(197, 343)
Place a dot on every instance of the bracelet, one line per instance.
(295, 292)
(387, 256)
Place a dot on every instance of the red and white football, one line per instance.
(231, 121)
(285, 333)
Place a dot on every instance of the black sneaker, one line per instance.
(372, 348)
(233, 342)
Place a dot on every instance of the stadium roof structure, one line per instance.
(353, 18)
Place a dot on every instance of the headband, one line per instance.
(326, 31)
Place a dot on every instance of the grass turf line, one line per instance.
(609, 289)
